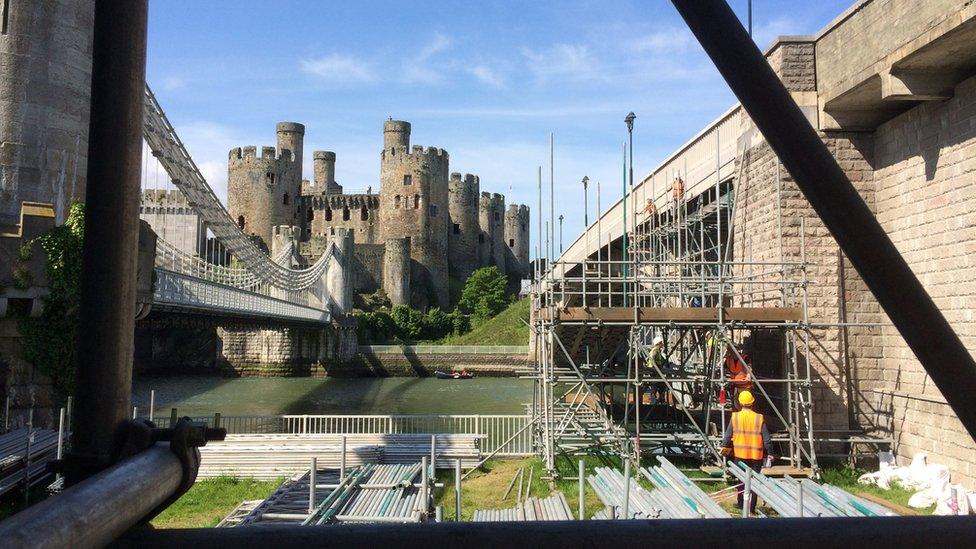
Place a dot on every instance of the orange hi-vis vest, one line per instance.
(747, 439)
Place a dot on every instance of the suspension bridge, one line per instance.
(245, 282)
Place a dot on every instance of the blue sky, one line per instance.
(487, 81)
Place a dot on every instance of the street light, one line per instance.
(586, 211)
(630, 135)
(560, 234)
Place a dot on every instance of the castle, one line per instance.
(424, 229)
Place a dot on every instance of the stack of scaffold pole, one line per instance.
(554, 507)
(376, 493)
(675, 496)
(271, 456)
(18, 451)
(805, 498)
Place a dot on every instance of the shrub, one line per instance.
(50, 341)
(484, 293)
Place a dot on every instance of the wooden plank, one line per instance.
(676, 314)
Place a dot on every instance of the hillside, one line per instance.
(505, 328)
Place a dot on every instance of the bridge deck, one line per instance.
(703, 315)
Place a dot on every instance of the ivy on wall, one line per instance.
(50, 341)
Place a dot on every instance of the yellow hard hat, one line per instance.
(746, 398)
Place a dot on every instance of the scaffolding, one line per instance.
(602, 386)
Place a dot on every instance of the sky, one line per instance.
(487, 81)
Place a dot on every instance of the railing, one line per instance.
(498, 429)
(189, 292)
(446, 349)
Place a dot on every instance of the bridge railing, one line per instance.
(445, 349)
(505, 433)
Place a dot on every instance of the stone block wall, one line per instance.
(925, 176)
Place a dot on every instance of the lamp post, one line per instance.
(560, 234)
(586, 221)
(629, 120)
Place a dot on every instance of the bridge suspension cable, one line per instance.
(170, 152)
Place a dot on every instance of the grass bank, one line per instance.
(505, 328)
(209, 501)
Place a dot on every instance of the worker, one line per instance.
(738, 373)
(660, 363)
(747, 440)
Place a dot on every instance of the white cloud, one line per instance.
(664, 41)
(765, 33)
(574, 61)
(171, 83)
(488, 75)
(339, 69)
(421, 68)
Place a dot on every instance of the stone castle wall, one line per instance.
(414, 199)
(45, 96)
(464, 192)
(357, 212)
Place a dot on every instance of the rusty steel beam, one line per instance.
(837, 202)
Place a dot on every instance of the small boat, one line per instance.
(452, 375)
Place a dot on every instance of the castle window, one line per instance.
(396, 202)
(408, 180)
(284, 199)
(240, 222)
(408, 241)
(345, 213)
(511, 242)
(311, 214)
(433, 210)
(416, 201)
(5, 16)
(328, 214)
(523, 227)
(363, 214)
(481, 239)
(457, 229)
(271, 178)
(498, 216)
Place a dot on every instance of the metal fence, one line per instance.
(446, 349)
(501, 431)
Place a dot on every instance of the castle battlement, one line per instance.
(339, 201)
(416, 154)
(517, 211)
(164, 197)
(250, 153)
(467, 180)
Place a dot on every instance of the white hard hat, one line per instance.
(658, 339)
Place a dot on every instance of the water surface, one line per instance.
(257, 396)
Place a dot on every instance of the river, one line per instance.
(263, 396)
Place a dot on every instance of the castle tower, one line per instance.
(396, 270)
(263, 191)
(45, 95)
(323, 166)
(414, 201)
(517, 240)
(463, 193)
(396, 135)
(291, 137)
(485, 256)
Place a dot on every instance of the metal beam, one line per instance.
(108, 280)
(837, 202)
(794, 532)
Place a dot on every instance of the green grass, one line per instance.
(485, 487)
(209, 501)
(505, 328)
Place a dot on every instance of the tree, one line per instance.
(484, 293)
